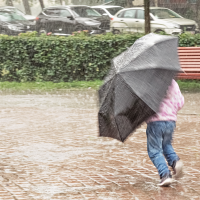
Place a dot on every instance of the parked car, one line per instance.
(12, 23)
(11, 8)
(107, 10)
(162, 20)
(63, 20)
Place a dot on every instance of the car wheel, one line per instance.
(160, 32)
(42, 30)
(78, 28)
(115, 31)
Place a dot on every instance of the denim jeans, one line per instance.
(159, 147)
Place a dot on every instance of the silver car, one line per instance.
(107, 10)
(162, 20)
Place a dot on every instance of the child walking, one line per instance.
(160, 128)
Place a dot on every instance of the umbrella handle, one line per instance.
(184, 72)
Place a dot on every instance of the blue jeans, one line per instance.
(159, 138)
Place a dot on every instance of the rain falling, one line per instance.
(83, 84)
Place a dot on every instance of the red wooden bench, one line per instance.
(190, 62)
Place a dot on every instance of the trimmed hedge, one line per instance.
(75, 58)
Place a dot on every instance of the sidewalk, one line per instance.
(49, 149)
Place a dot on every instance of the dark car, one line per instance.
(63, 20)
(12, 23)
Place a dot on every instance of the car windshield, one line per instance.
(114, 10)
(85, 12)
(10, 16)
(14, 10)
(18, 11)
(164, 14)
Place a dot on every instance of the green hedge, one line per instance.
(75, 58)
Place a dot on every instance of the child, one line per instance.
(160, 128)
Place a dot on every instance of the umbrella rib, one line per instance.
(107, 92)
(147, 69)
(118, 129)
(126, 83)
(131, 92)
(112, 109)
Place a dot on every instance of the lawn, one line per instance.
(185, 85)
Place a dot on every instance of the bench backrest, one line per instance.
(190, 62)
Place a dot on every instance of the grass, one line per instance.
(43, 86)
(185, 85)
(189, 85)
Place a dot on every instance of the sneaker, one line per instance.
(177, 167)
(166, 180)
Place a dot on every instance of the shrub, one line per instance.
(29, 57)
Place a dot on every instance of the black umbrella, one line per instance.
(136, 84)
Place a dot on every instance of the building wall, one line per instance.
(138, 2)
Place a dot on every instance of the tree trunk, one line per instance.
(156, 3)
(41, 4)
(9, 3)
(27, 7)
(147, 16)
(197, 8)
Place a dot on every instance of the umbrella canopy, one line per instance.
(136, 84)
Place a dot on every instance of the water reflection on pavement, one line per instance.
(50, 149)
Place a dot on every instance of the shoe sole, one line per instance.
(179, 170)
(167, 182)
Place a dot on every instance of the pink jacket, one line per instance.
(170, 105)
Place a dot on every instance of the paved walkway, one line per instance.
(49, 149)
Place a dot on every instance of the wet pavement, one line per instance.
(50, 149)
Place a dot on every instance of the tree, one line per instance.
(197, 8)
(147, 16)
(41, 4)
(197, 12)
(27, 7)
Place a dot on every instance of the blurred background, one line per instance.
(186, 8)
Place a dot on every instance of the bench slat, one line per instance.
(191, 70)
(192, 74)
(188, 48)
(189, 74)
(190, 66)
(188, 63)
(189, 58)
(185, 75)
(189, 51)
(189, 54)
(189, 77)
